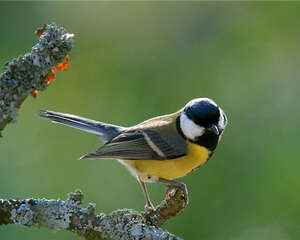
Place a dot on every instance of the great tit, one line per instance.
(159, 149)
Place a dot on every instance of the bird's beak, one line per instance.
(214, 129)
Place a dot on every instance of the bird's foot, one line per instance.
(174, 187)
(149, 208)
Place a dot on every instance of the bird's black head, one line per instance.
(203, 121)
(203, 112)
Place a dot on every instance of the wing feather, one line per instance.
(141, 145)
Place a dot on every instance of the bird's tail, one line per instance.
(105, 131)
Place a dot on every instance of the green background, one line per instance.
(132, 61)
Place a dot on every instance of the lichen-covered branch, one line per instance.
(173, 205)
(25, 74)
(69, 215)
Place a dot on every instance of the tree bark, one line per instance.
(24, 75)
(69, 215)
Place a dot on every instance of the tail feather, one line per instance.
(105, 131)
(88, 156)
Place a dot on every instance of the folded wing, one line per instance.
(141, 145)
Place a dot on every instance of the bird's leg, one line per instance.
(149, 204)
(172, 184)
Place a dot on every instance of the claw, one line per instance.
(149, 208)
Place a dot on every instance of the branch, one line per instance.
(29, 73)
(68, 215)
(24, 76)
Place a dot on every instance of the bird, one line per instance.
(159, 149)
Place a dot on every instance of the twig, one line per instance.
(25, 74)
(120, 224)
(173, 205)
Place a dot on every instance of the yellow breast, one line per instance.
(169, 169)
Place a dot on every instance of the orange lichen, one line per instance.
(50, 77)
(60, 67)
(34, 93)
(41, 30)
(64, 65)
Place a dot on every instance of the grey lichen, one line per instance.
(122, 224)
(25, 74)
(53, 214)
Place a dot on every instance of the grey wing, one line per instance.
(141, 145)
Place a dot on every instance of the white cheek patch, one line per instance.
(189, 128)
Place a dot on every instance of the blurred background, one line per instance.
(132, 61)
